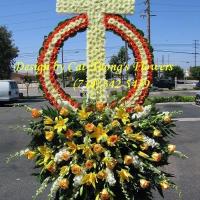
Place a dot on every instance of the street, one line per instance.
(16, 182)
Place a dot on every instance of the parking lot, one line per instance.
(16, 182)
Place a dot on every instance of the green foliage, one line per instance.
(195, 72)
(176, 72)
(8, 52)
(172, 99)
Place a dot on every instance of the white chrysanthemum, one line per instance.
(110, 177)
(77, 180)
(144, 113)
(58, 156)
(151, 142)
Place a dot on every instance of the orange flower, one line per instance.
(89, 164)
(104, 195)
(76, 169)
(112, 140)
(102, 175)
(69, 134)
(157, 156)
(97, 148)
(128, 160)
(100, 106)
(30, 155)
(64, 112)
(66, 156)
(128, 130)
(144, 183)
(35, 113)
(64, 184)
(51, 168)
(138, 108)
(89, 127)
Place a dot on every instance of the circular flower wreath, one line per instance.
(48, 55)
(101, 153)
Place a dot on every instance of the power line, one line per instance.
(195, 52)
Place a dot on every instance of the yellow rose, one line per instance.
(138, 108)
(115, 123)
(104, 195)
(128, 160)
(100, 106)
(144, 146)
(49, 135)
(89, 127)
(171, 148)
(156, 133)
(30, 155)
(157, 156)
(89, 164)
(64, 112)
(97, 148)
(167, 119)
(164, 185)
(102, 175)
(144, 183)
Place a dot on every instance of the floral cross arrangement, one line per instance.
(99, 150)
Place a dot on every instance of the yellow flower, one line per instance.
(49, 135)
(142, 154)
(112, 140)
(164, 185)
(83, 114)
(48, 121)
(167, 119)
(72, 147)
(90, 179)
(64, 170)
(46, 153)
(64, 112)
(115, 123)
(86, 150)
(144, 146)
(110, 162)
(30, 154)
(100, 133)
(157, 133)
(171, 148)
(60, 124)
(136, 137)
(124, 175)
(64, 184)
(122, 114)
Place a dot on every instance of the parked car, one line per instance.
(9, 91)
(164, 83)
(198, 84)
(197, 98)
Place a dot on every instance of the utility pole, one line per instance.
(195, 52)
(148, 15)
(63, 71)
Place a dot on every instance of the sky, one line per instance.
(174, 27)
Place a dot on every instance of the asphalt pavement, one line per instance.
(16, 182)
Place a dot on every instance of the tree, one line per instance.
(8, 53)
(195, 72)
(119, 60)
(27, 81)
(176, 72)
